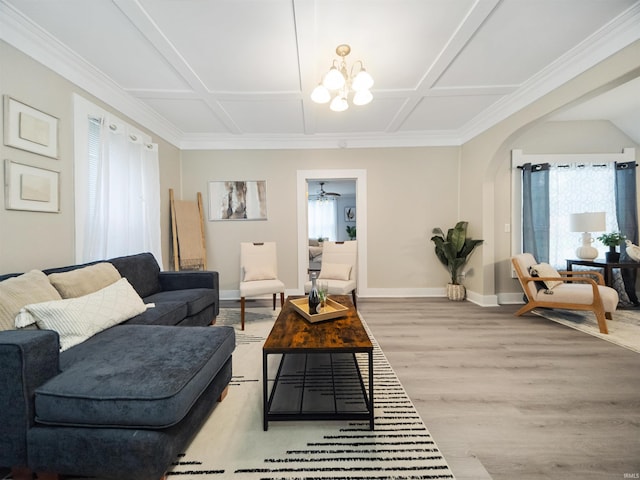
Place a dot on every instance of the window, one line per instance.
(323, 219)
(577, 188)
(558, 185)
(117, 187)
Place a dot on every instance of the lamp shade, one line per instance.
(587, 222)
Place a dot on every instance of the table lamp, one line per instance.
(587, 223)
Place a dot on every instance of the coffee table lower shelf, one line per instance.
(317, 386)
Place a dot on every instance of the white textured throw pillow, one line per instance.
(546, 270)
(335, 271)
(77, 319)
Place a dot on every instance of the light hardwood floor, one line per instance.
(510, 397)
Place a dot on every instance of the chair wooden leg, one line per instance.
(602, 323)
(281, 299)
(242, 312)
(223, 394)
(353, 295)
(526, 308)
(274, 301)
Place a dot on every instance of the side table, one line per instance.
(608, 272)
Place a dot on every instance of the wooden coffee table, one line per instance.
(317, 374)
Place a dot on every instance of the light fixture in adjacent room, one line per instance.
(587, 223)
(340, 81)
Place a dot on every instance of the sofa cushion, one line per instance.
(141, 270)
(86, 280)
(160, 313)
(77, 319)
(197, 299)
(134, 376)
(16, 292)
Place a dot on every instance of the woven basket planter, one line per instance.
(456, 292)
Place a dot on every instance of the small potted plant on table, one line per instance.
(453, 250)
(612, 240)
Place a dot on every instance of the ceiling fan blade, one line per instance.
(323, 193)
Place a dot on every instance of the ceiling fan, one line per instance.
(324, 194)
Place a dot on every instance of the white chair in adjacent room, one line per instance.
(259, 273)
(339, 268)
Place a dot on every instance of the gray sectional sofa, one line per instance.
(124, 402)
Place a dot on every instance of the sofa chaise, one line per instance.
(126, 400)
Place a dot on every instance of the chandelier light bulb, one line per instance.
(339, 104)
(320, 94)
(363, 81)
(362, 97)
(333, 80)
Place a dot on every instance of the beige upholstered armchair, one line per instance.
(259, 273)
(545, 287)
(339, 268)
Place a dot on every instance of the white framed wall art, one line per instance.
(30, 129)
(31, 188)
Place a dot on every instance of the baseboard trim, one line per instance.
(478, 299)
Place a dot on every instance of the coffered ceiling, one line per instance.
(239, 73)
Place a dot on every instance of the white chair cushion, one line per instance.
(335, 271)
(336, 287)
(260, 287)
(259, 272)
(581, 294)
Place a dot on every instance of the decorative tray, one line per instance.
(332, 309)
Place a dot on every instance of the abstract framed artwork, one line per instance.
(349, 214)
(238, 200)
(29, 129)
(31, 188)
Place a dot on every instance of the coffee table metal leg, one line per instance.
(265, 399)
(371, 416)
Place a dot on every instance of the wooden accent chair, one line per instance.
(339, 268)
(259, 273)
(576, 290)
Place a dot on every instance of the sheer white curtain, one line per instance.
(578, 188)
(123, 195)
(323, 219)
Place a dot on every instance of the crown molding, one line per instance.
(610, 39)
(319, 141)
(29, 38)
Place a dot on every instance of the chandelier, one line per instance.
(340, 81)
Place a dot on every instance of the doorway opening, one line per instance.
(352, 212)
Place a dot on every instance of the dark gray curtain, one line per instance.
(627, 213)
(535, 211)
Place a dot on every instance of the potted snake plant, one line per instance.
(453, 250)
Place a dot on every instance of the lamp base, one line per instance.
(586, 251)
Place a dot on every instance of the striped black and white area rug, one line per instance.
(233, 445)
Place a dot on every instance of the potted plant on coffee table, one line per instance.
(453, 250)
(612, 240)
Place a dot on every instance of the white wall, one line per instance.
(40, 240)
(409, 192)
